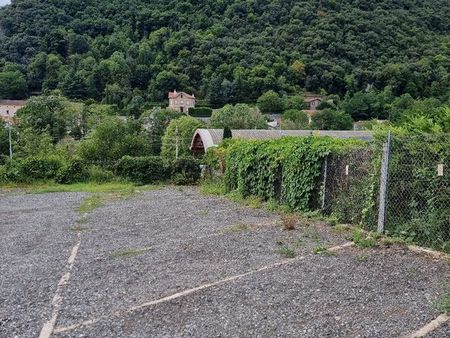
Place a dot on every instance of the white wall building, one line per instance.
(8, 108)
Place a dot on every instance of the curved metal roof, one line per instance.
(213, 137)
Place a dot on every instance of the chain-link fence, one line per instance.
(415, 194)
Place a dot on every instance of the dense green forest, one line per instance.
(225, 51)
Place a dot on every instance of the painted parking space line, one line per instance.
(187, 292)
(49, 326)
(431, 326)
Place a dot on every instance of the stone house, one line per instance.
(181, 101)
(8, 108)
(312, 101)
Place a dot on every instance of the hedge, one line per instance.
(142, 170)
(185, 171)
(200, 112)
(74, 171)
(31, 169)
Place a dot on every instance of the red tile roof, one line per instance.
(175, 94)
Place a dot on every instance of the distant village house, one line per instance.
(312, 101)
(8, 108)
(181, 101)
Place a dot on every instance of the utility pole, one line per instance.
(176, 143)
(9, 137)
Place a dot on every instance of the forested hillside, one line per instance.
(223, 50)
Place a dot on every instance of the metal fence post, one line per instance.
(324, 184)
(384, 181)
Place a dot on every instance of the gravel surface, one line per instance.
(34, 246)
(161, 242)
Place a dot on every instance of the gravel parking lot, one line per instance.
(172, 262)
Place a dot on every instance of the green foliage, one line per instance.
(30, 169)
(239, 116)
(185, 171)
(111, 140)
(200, 112)
(226, 51)
(329, 119)
(295, 119)
(99, 175)
(270, 103)
(286, 170)
(155, 123)
(186, 127)
(364, 240)
(12, 85)
(72, 172)
(142, 170)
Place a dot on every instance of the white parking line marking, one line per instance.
(431, 326)
(189, 291)
(49, 326)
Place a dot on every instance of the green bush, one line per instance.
(99, 175)
(186, 171)
(31, 169)
(200, 112)
(74, 171)
(142, 170)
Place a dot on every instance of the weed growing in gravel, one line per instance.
(322, 250)
(289, 221)
(286, 252)
(79, 229)
(129, 252)
(364, 240)
(362, 258)
(241, 227)
(312, 233)
(90, 203)
(254, 202)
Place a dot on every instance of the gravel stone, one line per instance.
(161, 242)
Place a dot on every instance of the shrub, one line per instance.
(186, 127)
(200, 112)
(329, 119)
(75, 171)
(99, 175)
(270, 103)
(142, 170)
(239, 116)
(31, 169)
(186, 171)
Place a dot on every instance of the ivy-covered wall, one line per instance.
(287, 170)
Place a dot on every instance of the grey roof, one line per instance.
(213, 137)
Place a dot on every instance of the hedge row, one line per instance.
(200, 112)
(286, 170)
(141, 170)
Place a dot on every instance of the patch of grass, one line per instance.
(79, 229)
(129, 252)
(363, 240)
(241, 227)
(362, 258)
(91, 203)
(286, 252)
(289, 221)
(297, 243)
(92, 187)
(322, 250)
(254, 202)
(212, 188)
(444, 304)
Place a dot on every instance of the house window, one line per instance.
(181, 101)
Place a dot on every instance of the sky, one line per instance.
(4, 2)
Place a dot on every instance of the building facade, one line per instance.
(8, 108)
(181, 101)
